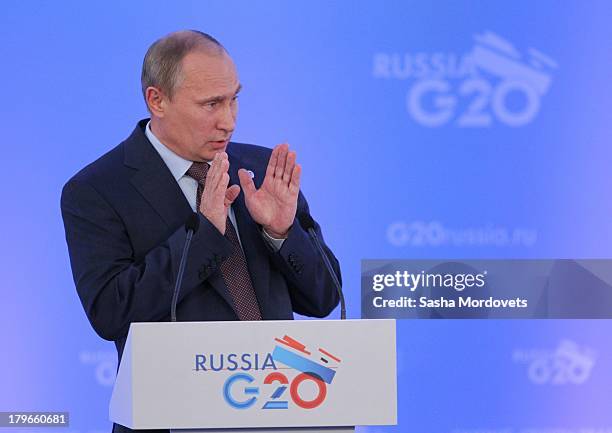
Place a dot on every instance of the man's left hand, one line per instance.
(274, 204)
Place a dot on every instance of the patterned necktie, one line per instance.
(234, 268)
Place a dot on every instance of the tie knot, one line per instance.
(198, 171)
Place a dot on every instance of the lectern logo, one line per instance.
(303, 381)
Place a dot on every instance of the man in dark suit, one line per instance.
(125, 213)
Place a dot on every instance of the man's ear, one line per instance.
(156, 101)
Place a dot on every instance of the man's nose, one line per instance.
(226, 120)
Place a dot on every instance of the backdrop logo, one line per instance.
(567, 364)
(492, 82)
(303, 383)
(104, 363)
(420, 233)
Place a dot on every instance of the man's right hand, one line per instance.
(217, 197)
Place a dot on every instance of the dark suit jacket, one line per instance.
(124, 217)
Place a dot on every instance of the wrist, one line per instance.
(216, 221)
(274, 234)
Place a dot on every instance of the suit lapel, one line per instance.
(153, 179)
(156, 184)
(256, 252)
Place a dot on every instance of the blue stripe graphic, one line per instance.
(279, 391)
(276, 405)
(302, 364)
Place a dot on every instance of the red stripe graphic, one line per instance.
(288, 341)
(324, 352)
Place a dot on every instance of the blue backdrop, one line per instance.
(431, 129)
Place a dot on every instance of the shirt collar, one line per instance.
(177, 165)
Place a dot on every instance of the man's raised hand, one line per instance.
(274, 204)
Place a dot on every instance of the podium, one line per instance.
(282, 376)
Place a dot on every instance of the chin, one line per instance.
(210, 155)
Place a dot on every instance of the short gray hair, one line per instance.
(161, 67)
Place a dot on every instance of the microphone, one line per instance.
(308, 224)
(192, 225)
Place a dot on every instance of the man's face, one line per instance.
(199, 120)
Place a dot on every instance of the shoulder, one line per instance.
(102, 168)
(97, 179)
(113, 169)
(249, 152)
(106, 176)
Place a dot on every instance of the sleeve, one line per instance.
(311, 288)
(274, 243)
(114, 288)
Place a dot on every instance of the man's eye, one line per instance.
(212, 104)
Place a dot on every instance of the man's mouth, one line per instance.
(219, 144)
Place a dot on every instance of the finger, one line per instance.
(220, 191)
(294, 185)
(287, 173)
(223, 183)
(224, 178)
(272, 163)
(248, 186)
(213, 173)
(221, 165)
(230, 195)
(282, 160)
